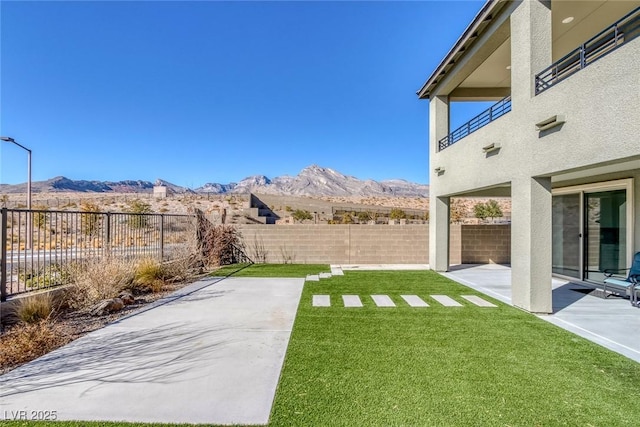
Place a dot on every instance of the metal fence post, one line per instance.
(161, 237)
(107, 238)
(3, 254)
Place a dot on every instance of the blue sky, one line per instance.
(207, 91)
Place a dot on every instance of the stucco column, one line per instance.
(531, 244)
(531, 48)
(438, 206)
(439, 233)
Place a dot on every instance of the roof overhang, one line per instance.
(468, 37)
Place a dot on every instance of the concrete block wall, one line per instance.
(455, 244)
(339, 244)
(389, 244)
(374, 244)
(485, 244)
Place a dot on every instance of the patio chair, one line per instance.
(629, 286)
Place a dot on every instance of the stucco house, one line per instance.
(562, 140)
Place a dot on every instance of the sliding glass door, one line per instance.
(605, 233)
(591, 228)
(566, 253)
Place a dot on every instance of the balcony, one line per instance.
(595, 48)
(497, 110)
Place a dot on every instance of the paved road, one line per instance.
(212, 353)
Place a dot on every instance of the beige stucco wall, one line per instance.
(599, 140)
(601, 104)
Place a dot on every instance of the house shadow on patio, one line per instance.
(611, 322)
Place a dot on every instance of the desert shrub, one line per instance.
(258, 251)
(35, 308)
(140, 209)
(26, 342)
(89, 219)
(69, 205)
(364, 216)
(480, 211)
(222, 244)
(288, 208)
(457, 211)
(301, 215)
(347, 218)
(491, 209)
(46, 276)
(150, 275)
(97, 279)
(397, 213)
(288, 256)
(40, 219)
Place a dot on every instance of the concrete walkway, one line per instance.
(212, 353)
(611, 322)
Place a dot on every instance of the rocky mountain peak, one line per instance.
(313, 180)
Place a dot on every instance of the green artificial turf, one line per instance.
(443, 366)
(87, 424)
(436, 366)
(271, 270)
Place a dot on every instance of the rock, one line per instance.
(127, 298)
(107, 306)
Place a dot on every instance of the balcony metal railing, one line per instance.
(595, 48)
(498, 109)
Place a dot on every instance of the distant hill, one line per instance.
(62, 184)
(311, 181)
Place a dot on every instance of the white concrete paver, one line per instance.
(211, 356)
(383, 301)
(321, 301)
(414, 301)
(382, 267)
(474, 299)
(337, 271)
(351, 301)
(313, 278)
(325, 275)
(447, 301)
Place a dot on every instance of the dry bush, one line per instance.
(99, 279)
(89, 219)
(223, 243)
(288, 257)
(218, 244)
(258, 251)
(33, 309)
(185, 260)
(26, 342)
(150, 275)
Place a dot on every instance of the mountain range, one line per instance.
(311, 181)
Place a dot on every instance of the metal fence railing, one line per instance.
(590, 51)
(39, 246)
(497, 110)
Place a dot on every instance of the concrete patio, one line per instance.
(611, 322)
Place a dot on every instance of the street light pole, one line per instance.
(29, 233)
